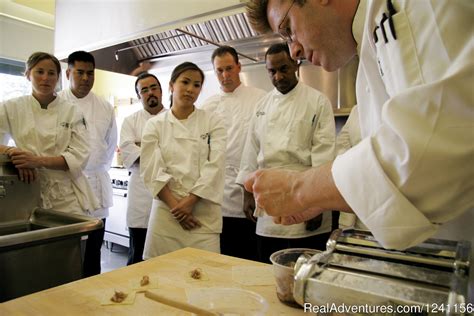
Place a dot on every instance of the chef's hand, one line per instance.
(275, 191)
(20, 159)
(24, 159)
(296, 196)
(27, 175)
(249, 206)
(184, 208)
(190, 222)
(298, 217)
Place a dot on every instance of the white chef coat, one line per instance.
(412, 171)
(189, 156)
(139, 199)
(100, 119)
(58, 130)
(292, 131)
(236, 108)
(349, 136)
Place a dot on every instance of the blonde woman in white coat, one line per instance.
(51, 139)
(182, 164)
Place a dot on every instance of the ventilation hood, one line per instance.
(193, 42)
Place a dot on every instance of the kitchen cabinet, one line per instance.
(83, 297)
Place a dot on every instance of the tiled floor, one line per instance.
(113, 256)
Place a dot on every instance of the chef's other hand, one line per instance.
(298, 217)
(190, 222)
(24, 159)
(275, 190)
(27, 175)
(249, 206)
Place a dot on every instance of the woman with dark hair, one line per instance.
(51, 139)
(182, 164)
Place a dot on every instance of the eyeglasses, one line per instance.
(153, 88)
(285, 32)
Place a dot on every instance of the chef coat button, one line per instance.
(367, 89)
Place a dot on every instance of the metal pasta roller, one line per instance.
(356, 270)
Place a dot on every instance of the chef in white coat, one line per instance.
(414, 93)
(235, 103)
(182, 164)
(139, 199)
(292, 128)
(348, 137)
(100, 119)
(51, 139)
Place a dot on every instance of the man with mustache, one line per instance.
(100, 122)
(292, 128)
(236, 104)
(148, 89)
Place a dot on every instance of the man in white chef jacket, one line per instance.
(348, 137)
(148, 89)
(236, 104)
(414, 93)
(292, 128)
(100, 121)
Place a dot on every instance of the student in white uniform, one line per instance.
(182, 164)
(235, 103)
(51, 139)
(414, 93)
(102, 128)
(292, 128)
(139, 199)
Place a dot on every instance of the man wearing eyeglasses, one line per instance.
(411, 176)
(148, 89)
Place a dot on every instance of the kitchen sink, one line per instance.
(19, 228)
(42, 252)
(39, 248)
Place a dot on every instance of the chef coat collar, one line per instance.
(73, 96)
(149, 115)
(235, 92)
(174, 119)
(293, 92)
(52, 105)
(358, 23)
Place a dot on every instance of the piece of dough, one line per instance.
(129, 300)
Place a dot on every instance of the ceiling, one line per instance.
(38, 12)
(46, 6)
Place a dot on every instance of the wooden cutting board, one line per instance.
(84, 297)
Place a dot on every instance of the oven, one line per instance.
(116, 230)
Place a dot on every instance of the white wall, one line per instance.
(90, 24)
(19, 39)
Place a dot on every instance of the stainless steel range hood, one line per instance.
(233, 30)
(221, 30)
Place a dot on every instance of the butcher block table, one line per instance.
(85, 297)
